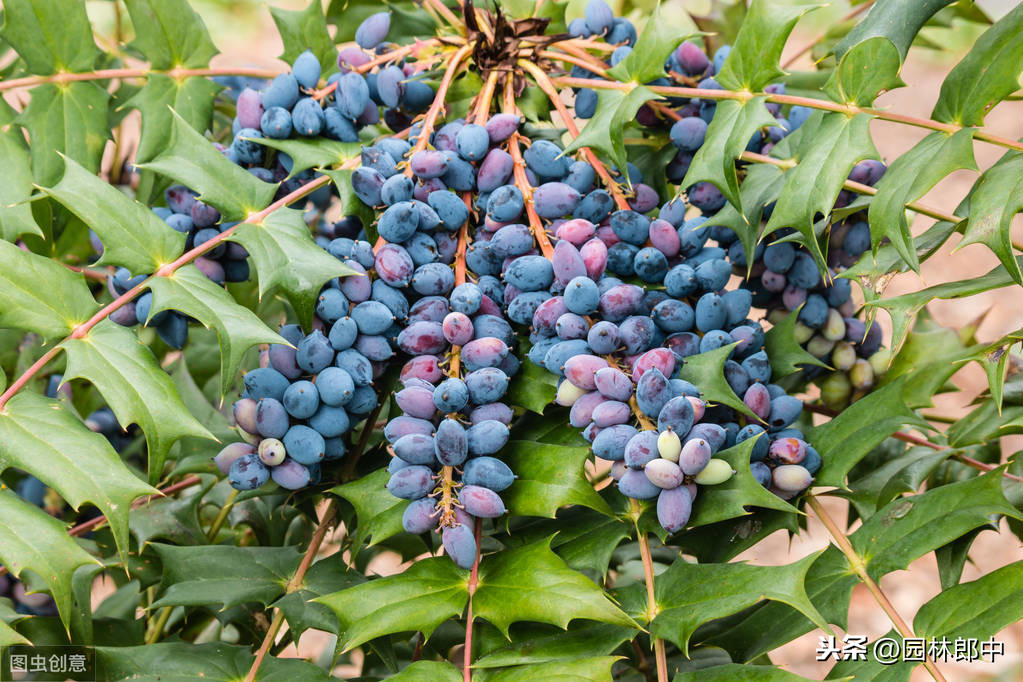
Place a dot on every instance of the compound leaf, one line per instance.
(31, 539)
(41, 437)
(191, 292)
(132, 235)
(170, 34)
(40, 295)
(138, 391)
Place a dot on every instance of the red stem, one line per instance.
(473, 584)
(107, 74)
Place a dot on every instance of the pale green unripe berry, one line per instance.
(880, 360)
(819, 347)
(802, 333)
(835, 389)
(717, 471)
(834, 328)
(844, 356)
(669, 445)
(251, 438)
(861, 375)
(271, 452)
(777, 316)
(568, 393)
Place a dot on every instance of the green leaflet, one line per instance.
(186, 662)
(728, 134)
(43, 438)
(238, 328)
(996, 197)
(70, 119)
(533, 388)
(159, 98)
(548, 477)
(646, 61)
(785, 354)
(190, 159)
(303, 30)
(40, 295)
(50, 35)
(170, 34)
(316, 152)
(224, 574)
(910, 177)
(615, 109)
(689, 595)
(737, 672)
(138, 391)
(979, 609)
(543, 644)
(15, 211)
(596, 668)
(753, 61)
(584, 538)
(275, 245)
(706, 370)
(864, 71)
(896, 20)
(847, 438)
(132, 235)
(32, 539)
(895, 476)
(326, 576)
(436, 671)
(378, 511)
(829, 146)
(988, 74)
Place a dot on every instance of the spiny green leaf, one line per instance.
(15, 211)
(378, 511)
(903, 309)
(597, 668)
(9, 636)
(326, 576)
(132, 235)
(722, 541)
(190, 159)
(984, 424)
(903, 474)
(753, 61)
(533, 388)
(927, 360)
(988, 73)
(737, 672)
(186, 662)
(615, 109)
(541, 645)
(50, 35)
(138, 391)
(706, 370)
(172, 519)
(910, 177)
(436, 671)
(738, 495)
(977, 609)
(303, 30)
(646, 61)
(170, 34)
(421, 598)
(41, 437)
(784, 351)
(31, 539)
(40, 295)
(996, 198)
(898, 21)
(191, 98)
(548, 477)
(848, 438)
(585, 539)
(532, 583)
(70, 118)
(691, 594)
(224, 574)
(238, 328)
(864, 71)
(276, 245)
(313, 153)
(829, 146)
(760, 187)
(728, 134)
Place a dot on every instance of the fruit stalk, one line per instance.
(648, 575)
